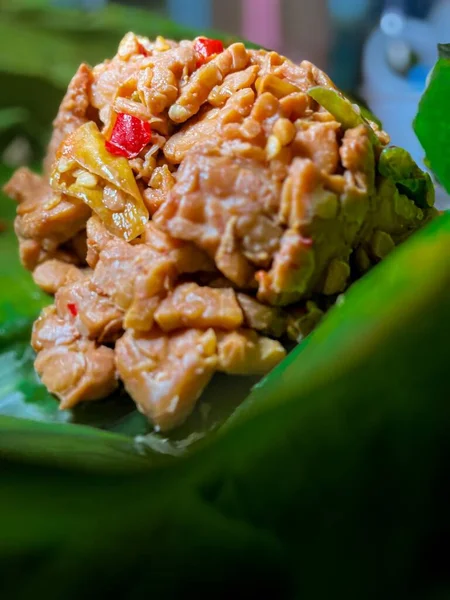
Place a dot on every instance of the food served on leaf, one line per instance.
(200, 205)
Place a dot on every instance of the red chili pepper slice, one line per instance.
(129, 136)
(141, 49)
(205, 48)
(72, 309)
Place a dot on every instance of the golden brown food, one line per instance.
(244, 352)
(72, 367)
(46, 220)
(74, 111)
(165, 374)
(54, 274)
(200, 307)
(198, 207)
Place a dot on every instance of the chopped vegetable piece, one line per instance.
(72, 309)
(347, 114)
(116, 197)
(129, 136)
(206, 48)
(141, 49)
(398, 165)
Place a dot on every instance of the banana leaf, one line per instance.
(432, 123)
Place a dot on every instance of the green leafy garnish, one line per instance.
(397, 164)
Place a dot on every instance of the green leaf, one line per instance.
(81, 448)
(432, 122)
(342, 109)
(397, 164)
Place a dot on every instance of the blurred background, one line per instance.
(378, 51)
